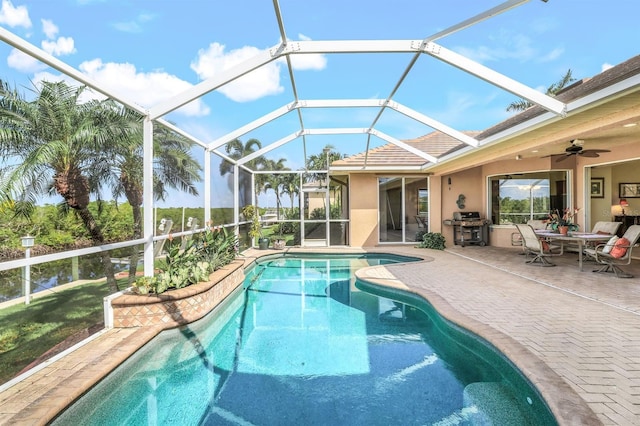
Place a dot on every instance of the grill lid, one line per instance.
(466, 215)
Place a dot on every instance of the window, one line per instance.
(518, 198)
(423, 201)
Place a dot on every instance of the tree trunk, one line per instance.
(98, 238)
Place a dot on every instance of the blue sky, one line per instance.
(151, 50)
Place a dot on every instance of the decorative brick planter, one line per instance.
(177, 307)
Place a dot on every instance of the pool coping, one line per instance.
(570, 409)
(65, 378)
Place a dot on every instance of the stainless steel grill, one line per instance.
(469, 228)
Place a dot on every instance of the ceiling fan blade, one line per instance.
(563, 157)
(592, 152)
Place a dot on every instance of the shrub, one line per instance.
(432, 240)
(206, 252)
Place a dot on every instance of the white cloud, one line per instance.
(510, 46)
(14, 16)
(552, 55)
(145, 88)
(606, 66)
(128, 27)
(311, 61)
(59, 47)
(261, 82)
(134, 26)
(49, 28)
(23, 62)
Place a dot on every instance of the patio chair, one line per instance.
(536, 247)
(516, 238)
(422, 221)
(603, 227)
(611, 256)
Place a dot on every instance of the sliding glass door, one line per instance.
(403, 208)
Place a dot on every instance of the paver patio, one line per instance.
(573, 333)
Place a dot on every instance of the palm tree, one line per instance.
(174, 167)
(237, 150)
(274, 181)
(56, 145)
(290, 185)
(522, 104)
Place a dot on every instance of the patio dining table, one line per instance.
(580, 238)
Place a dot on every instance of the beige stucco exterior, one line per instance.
(615, 167)
(468, 174)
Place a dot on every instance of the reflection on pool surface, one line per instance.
(303, 345)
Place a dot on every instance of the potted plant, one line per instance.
(250, 213)
(564, 223)
(278, 241)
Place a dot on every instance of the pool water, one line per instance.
(302, 344)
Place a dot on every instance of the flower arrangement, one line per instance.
(566, 219)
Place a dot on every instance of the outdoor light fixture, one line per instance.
(28, 241)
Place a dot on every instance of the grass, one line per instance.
(28, 331)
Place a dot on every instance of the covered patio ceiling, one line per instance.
(410, 69)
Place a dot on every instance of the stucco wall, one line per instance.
(470, 184)
(363, 202)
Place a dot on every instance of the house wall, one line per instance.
(619, 166)
(470, 184)
(363, 203)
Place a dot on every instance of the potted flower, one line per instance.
(250, 213)
(564, 223)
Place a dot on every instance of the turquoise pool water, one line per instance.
(304, 344)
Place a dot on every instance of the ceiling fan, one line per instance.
(576, 149)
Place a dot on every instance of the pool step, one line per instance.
(493, 403)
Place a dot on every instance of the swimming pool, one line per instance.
(303, 343)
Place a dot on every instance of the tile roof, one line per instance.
(438, 144)
(435, 143)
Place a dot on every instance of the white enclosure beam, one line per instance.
(433, 123)
(341, 103)
(252, 126)
(226, 76)
(148, 227)
(337, 131)
(404, 146)
(179, 131)
(57, 64)
(501, 8)
(495, 78)
(207, 188)
(270, 147)
(350, 46)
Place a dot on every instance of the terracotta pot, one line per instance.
(563, 229)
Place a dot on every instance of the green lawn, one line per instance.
(28, 331)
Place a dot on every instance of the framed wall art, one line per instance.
(629, 190)
(597, 187)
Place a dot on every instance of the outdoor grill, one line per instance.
(469, 228)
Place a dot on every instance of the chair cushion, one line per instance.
(607, 248)
(620, 248)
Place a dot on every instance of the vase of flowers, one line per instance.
(564, 222)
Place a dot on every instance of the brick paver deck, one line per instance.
(576, 335)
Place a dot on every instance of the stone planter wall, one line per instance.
(177, 307)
